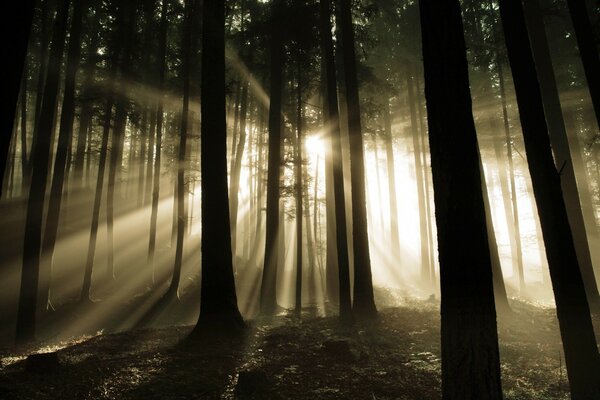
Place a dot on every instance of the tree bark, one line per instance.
(579, 342)
(581, 219)
(268, 290)
(159, 132)
(332, 125)
(470, 357)
(363, 301)
(218, 307)
(26, 316)
(60, 162)
(588, 50)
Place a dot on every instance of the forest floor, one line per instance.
(395, 357)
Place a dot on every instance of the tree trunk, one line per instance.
(501, 300)
(417, 153)
(181, 159)
(579, 342)
(268, 290)
(64, 138)
(298, 195)
(332, 125)
(25, 331)
(588, 50)
(159, 128)
(237, 168)
(15, 50)
(127, 17)
(364, 303)
(391, 169)
(470, 357)
(218, 307)
(565, 151)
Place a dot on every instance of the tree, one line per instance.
(561, 146)
(587, 49)
(15, 49)
(470, 357)
(35, 204)
(332, 125)
(60, 162)
(218, 306)
(579, 342)
(159, 134)
(181, 162)
(268, 290)
(363, 302)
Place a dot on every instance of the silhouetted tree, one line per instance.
(268, 290)
(363, 301)
(60, 161)
(470, 358)
(579, 341)
(218, 306)
(332, 124)
(26, 316)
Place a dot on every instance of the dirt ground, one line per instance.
(394, 357)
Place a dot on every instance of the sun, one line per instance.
(315, 146)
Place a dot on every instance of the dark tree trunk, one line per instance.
(87, 103)
(127, 14)
(268, 290)
(25, 331)
(426, 175)
(89, 265)
(218, 307)
(46, 16)
(159, 131)
(181, 159)
(60, 161)
(470, 357)
(332, 124)
(298, 195)
(418, 156)
(501, 300)
(587, 49)
(564, 151)
(15, 50)
(363, 302)
(579, 342)
(237, 168)
(391, 169)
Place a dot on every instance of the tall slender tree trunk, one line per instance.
(579, 342)
(470, 356)
(516, 225)
(26, 316)
(426, 174)
(581, 219)
(60, 162)
(588, 50)
(162, 53)
(218, 306)
(237, 168)
(127, 17)
(332, 125)
(391, 170)
(298, 195)
(363, 302)
(181, 159)
(15, 49)
(417, 152)
(268, 290)
(500, 296)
